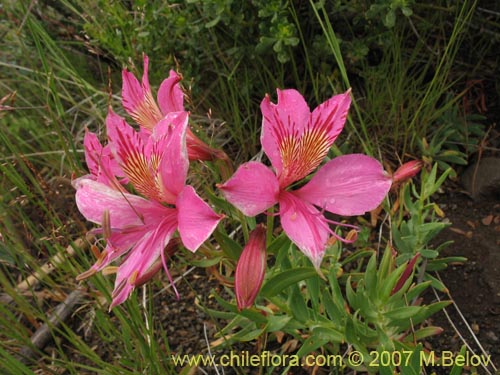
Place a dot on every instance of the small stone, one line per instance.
(491, 335)
(487, 220)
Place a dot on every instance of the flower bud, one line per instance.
(406, 274)
(199, 150)
(407, 171)
(251, 268)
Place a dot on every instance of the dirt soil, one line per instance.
(475, 285)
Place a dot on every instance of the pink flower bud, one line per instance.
(406, 274)
(199, 150)
(407, 171)
(251, 268)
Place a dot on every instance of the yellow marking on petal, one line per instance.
(301, 155)
(133, 277)
(142, 175)
(147, 113)
(293, 217)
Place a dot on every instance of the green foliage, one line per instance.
(452, 140)
(414, 234)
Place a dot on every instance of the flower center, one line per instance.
(302, 154)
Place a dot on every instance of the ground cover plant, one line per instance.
(287, 153)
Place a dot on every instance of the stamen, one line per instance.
(95, 251)
(164, 262)
(110, 270)
(86, 274)
(106, 225)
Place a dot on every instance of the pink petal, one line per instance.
(347, 185)
(93, 152)
(285, 119)
(331, 115)
(305, 226)
(252, 189)
(171, 140)
(101, 163)
(132, 92)
(138, 161)
(170, 95)
(140, 259)
(125, 210)
(123, 139)
(137, 98)
(196, 219)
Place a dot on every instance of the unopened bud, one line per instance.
(406, 274)
(407, 171)
(199, 150)
(251, 268)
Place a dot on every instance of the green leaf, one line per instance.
(298, 304)
(406, 11)
(390, 19)
(425, 332)
(312, 343)
(329, 334)
(415, 291)
(277, 322)
(230, 247)
(457, 369)
(278, 283)
(428, 253)
(403, 312)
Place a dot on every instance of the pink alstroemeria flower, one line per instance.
(138, 101)
(296, 141)
(138, 228)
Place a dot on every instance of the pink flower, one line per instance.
(296, 141)
(138, 101)
(138, 228)
(251, 268)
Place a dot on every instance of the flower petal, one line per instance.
(331, 115)
(137, 98)
(140, 259)
(174, 163)
(305, 226)
(252, 189)
(281, 122)
(93, 152)
(196, 219)
(94, 198)
(347, 185)
(137, 160)
(170, 95)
